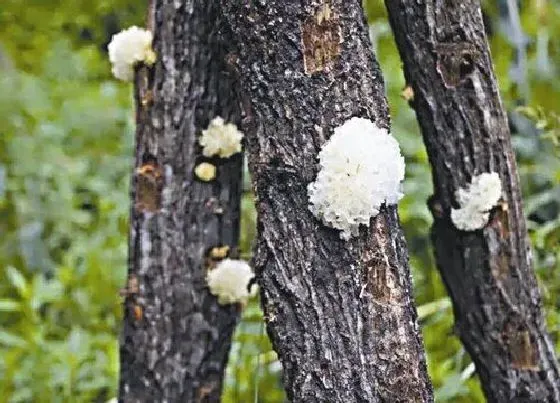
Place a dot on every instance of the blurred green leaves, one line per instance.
(546, 121)
(65, 159)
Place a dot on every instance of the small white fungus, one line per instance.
(128, 47)
(361, 168)
(229, 281)
(205, 171)
(220, 138)
(476, 201)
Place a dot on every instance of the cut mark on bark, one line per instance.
(500, 259)
(321, 38)
(149, 185)
(138, 312)
(144, 95)
(500, 220)
(522, 349)
(132, 287)
(205, 391)
(455, 62)
(379, 279)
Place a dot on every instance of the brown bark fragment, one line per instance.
(523, 350)
(321, 38)
(149, 184)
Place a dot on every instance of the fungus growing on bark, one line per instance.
(205, 171)
(129, 47)
(220, 138)
(361, 168)
(219, 252)
(229, 281)
(476, 201)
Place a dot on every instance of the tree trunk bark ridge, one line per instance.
(488, 272)
(340, 314)
(176, 336)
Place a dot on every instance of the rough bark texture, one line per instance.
(176, 337)
(488, 272)
(340, 314)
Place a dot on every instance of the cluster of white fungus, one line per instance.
(361, 168)
(476, 201)
(128, 47)
(220, 138)
(229, 281)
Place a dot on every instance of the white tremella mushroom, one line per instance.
(129, 47)
(220, 138)
(229, 281)
(361, 168)
(476, 201)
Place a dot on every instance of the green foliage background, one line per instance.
(66, 138)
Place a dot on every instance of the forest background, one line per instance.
(66, 148)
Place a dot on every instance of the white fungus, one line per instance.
(476, 201)
(128, 47)
(361, 168)
(229, 281)
(220, 138)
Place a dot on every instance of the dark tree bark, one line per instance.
(340, 314)
(488, 272)
(176, 337)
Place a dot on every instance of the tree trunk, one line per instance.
(176, 336)
(340, 314)
(488, 272)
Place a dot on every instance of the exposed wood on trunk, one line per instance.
(340, 314)
(488, 272)
(176, 337)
